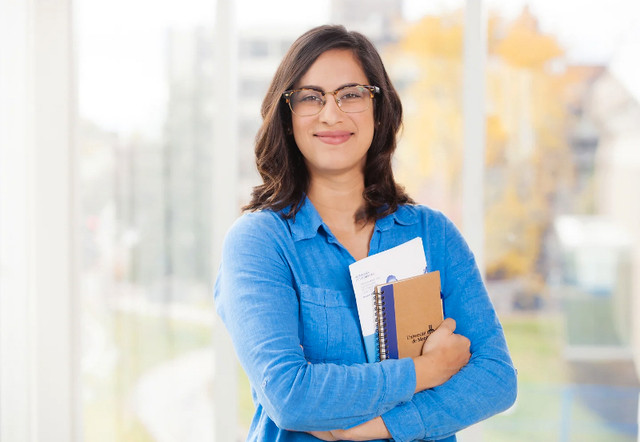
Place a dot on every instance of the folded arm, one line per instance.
(256, 299)
(443, 355)
(483, 387)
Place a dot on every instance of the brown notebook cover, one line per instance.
(407, 312)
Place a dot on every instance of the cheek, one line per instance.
(299, 141)
(367, 130)
(298, 133)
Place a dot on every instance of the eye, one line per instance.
(308, 97)
(352, 93)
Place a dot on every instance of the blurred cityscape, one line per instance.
(562, 245)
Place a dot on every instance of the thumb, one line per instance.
(448, 326)
(445, 329)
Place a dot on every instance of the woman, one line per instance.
(284, 292)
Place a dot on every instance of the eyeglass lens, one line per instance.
(308, 102)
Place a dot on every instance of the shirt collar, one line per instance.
(307, 221)
(404, 215)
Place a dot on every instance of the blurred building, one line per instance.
(615, 107)
(596, 291)
(377, 19)
(260, 51)
(601, 251)
(186, 159)
(584, 137)
(172, 181)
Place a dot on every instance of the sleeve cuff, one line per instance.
(404, 423)
(400, 380)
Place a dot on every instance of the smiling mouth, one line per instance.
(333, 137)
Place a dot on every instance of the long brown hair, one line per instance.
(279, 161)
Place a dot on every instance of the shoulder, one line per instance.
(426, 216)
(254, 229)
(440, 235)
(259, 221)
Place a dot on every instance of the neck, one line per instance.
(337, 199)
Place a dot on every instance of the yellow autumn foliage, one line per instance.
(527, 157)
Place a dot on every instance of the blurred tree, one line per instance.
(428, 62)
(528, 158)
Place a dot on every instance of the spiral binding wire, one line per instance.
(381, 323)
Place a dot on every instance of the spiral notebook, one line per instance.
(407, 312)
(400, 262)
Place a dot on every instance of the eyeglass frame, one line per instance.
(372, 91)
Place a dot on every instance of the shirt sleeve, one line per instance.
(487, 384)
(256, 299)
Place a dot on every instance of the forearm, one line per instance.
(370, 430)
(486, 386)
(483, 387)
(329, 396)
(441, 411)
(302, 396)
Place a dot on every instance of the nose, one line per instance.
(331, 113)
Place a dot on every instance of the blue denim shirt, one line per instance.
(285, 295)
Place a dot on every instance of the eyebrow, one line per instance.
(319, 89)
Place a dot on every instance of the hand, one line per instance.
(443, 355)
(373, 429)
(323, 435)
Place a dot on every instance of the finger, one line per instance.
(448, 324)
(465, 345)
(444, 330)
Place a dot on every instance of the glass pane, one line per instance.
(561, 179)
(561, 240)
(145, 87)
(425, 63)
(561, 169)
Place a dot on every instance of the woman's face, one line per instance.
(334, 142)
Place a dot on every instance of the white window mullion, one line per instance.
(474, 120)
(474, 129)
(39, 385)
(15, 131)
(225, 208)
(54, 290)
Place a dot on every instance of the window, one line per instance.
(146, 203)
(561, 247)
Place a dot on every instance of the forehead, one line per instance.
(332, 69)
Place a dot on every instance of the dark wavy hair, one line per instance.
(279, 161)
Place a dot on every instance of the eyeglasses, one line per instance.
(306, 102)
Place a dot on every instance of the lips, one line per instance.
(333, 136)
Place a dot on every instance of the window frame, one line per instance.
(38, 292)
(39, 297)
